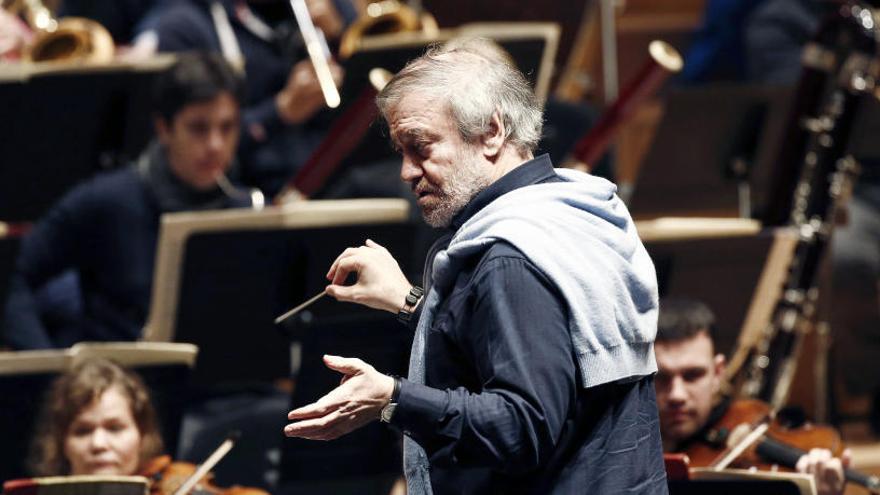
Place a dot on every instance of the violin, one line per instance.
(750, 435)
(167, 477)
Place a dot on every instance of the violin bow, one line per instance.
(737, 449)
(209, 464)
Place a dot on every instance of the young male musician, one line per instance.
(97, 245)
(282, 122)
(688, 384)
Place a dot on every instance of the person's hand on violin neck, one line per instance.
(357, 401)
(826, 469)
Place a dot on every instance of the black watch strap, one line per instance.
(412, 300)
(395, 394)
(387, 412)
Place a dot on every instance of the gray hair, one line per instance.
(476, 78)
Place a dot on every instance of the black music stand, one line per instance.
(733, 487)
(222, 278)
(743, 482)
(65, 123)
(710, 140)
(721, 270)
(368, 460)
(21, 397)
(8, 255)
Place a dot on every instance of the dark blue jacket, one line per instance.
(502, 410)
(105, 231)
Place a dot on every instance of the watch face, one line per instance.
(387, 412)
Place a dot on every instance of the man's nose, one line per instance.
(409, 171)
(677, 390)
(216, 139)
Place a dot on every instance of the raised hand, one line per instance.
(380, 283)
(358, 399)
(301, 97)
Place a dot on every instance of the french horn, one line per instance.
(386, 16)
(67, 39)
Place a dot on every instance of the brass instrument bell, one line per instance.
(68, 39)
(386, 16)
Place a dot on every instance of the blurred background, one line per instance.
(707, 114)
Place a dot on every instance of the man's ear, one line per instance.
(493, 139)
(162, 129)
(720, 364)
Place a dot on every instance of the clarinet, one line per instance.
(840, 67)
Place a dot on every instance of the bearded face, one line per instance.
(458, 185)
(444, 171)
(688, 379)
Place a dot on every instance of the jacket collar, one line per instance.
(534, 171)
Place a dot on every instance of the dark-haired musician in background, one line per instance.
(283, 97)
(95, 249)
(688, 382)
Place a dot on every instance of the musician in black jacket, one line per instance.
(97, 246)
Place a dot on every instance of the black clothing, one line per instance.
(504, 410)
(105, 230)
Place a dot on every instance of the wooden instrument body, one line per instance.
(744, 414)
(166, 476)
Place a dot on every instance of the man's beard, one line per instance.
(468, 178)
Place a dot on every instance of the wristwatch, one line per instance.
(409, 305)
(387, 411)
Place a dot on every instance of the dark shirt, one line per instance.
(118, 16)
(716, 52)
(105, 231)
(503, 409)
(775, 36)
(709, 434)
